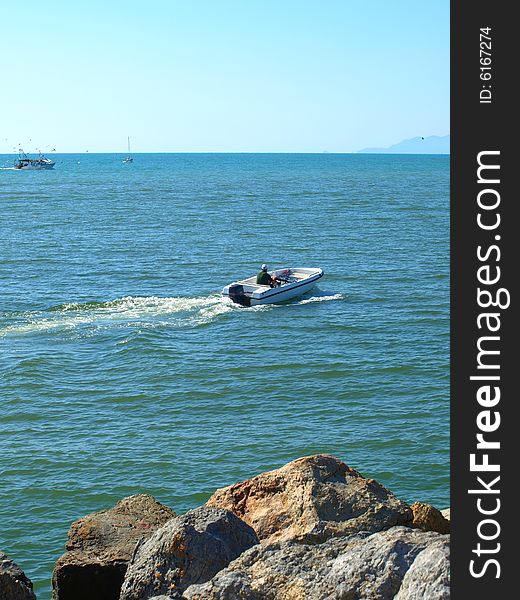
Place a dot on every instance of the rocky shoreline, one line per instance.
(315, 529)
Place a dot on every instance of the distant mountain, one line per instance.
(434, 144)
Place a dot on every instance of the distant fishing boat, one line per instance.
(129, 158)
(25, 162)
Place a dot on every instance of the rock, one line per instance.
(14, 584)
(312, 499)
(428, 518)
(188, 549)
(400, 563)
(101, 545)
(446, 513)
(428, 576)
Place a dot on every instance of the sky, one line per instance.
(222, 75)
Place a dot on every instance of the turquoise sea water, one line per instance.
(123, 370)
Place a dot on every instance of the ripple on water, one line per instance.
(123, 370)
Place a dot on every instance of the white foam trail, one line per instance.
(135, 312)
(136, 306)
(209, 313)
(124, 312)
(322, 299)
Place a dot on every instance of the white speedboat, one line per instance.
(24, 162)
(291, 284)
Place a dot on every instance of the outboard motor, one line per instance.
(236, 293)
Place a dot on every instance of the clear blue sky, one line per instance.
(222, 75)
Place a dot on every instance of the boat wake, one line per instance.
(130, 313)
(322, 298)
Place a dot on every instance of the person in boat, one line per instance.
(263, 278)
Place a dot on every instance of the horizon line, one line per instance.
(230, 152)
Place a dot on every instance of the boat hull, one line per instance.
(36, 164)
(247, 293)
(35, 167)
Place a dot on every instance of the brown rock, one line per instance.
(101, 545)
(14, 584)
(312, 499)
(428, 518)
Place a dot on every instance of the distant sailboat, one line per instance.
(129, 158)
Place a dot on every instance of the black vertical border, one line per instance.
(477, 127)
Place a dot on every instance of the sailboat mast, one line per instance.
(129, 158)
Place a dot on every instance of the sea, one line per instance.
(123, 370)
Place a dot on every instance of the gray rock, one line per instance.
(429, 575)
(188, 549)
(312, 499)
(101, 545)
(14, 584)
(396, 563)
